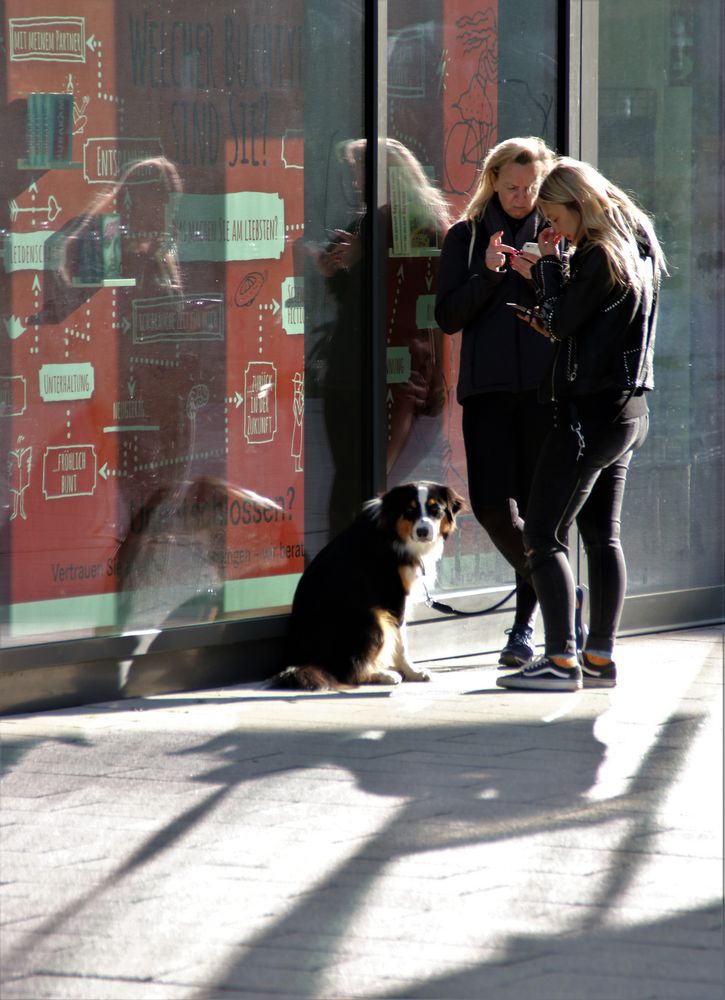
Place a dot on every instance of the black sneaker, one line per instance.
(543, 675)
(595, 676)
(520, 647)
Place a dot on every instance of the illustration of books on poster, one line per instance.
(98, 260)
(49, 130)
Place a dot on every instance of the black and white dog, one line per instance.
(348, 613)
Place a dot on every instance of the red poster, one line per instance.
(153, 403)
(470, 61)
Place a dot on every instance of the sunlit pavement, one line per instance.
(442, 840)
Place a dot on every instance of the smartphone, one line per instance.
(529, 315)
(532, 248)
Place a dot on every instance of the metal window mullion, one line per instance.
(375, 123)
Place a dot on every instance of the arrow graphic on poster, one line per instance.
(238, 399)
(91, 43)
(105, 472)
(52, 209)
(400, 274)
(14, 326)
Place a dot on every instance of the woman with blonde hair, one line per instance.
(414, 218)
(146, 244)
(599, 310)
(501, 367)
(425, 200)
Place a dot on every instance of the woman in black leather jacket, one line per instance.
(501, 364)
(599, 309)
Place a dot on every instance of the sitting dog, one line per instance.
(348, 613)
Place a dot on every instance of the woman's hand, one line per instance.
(496, 252)
(522, 264)
(338, 256)
(549, 242)
(533, 322)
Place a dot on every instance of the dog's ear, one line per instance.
(455, 503)
(389, 505)
(373, 508)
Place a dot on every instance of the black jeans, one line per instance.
(503, 433)
(590, 489)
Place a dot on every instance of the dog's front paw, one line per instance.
(417, 675)
(383, 676)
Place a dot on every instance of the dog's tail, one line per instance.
(307, 679)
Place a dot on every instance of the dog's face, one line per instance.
(421, 514)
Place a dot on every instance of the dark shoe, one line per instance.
(543, 675)
(580, 629)
(520, 647)
(594, 676)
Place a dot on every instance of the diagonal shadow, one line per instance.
(325, 916)
(150, 849)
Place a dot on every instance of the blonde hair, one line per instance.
(610, 219)
(529, 149)
(423, 195)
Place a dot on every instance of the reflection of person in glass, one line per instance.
(134, 209)
(415, 219)
(600, 312)
(504, 425)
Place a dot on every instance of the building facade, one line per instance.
(217, 294)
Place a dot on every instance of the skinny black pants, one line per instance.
(588, 488)
(503, 433)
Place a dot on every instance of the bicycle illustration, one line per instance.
(470, 138)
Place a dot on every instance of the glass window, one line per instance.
(460, 78)
(170, 173)
(660, 136)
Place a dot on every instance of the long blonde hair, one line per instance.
(423, 194)
(610, 219)
(157, 170)
(521, 150)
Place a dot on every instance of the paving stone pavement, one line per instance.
(441, 840)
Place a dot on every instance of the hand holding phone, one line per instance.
(550, 238)
(530, 315)
(532, 249)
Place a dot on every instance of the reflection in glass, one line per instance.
(660, 134)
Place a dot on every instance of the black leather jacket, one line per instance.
(604, 333)
(498, 353)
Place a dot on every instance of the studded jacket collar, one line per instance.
(604, 332)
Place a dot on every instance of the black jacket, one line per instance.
(498, 353)
(604, 332)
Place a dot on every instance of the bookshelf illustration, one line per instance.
(98, 259)
(49, 133)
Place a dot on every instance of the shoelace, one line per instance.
(538, 661)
